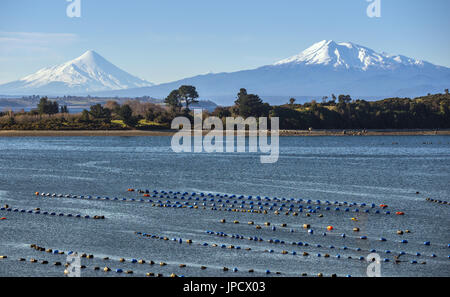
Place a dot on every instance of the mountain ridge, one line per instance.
(324, 68)
(89, 72)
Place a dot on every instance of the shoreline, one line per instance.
(283, 133)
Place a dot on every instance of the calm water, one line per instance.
(376, 170)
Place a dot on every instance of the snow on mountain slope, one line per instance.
(324, 68)
(348, 55)
(88, 73)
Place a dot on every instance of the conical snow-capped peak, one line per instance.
(347, 55)
(90, 72)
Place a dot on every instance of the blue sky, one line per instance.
(165, 40)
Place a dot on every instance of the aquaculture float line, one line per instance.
(311, 231)
(257, 198)
(222, 207)
(438, 201)
(229, 247)
(95, 268)
(226, 199)
(38, 211)
(121, 260)
(306, 244)
(283, 252)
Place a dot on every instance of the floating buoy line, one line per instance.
(38, 211)
(437, 201)
(228, 247)
(133, 261)
(283, 252)
(256, 205)
(58, 264)
(235, 203)
(197, 197)
(277, 241)
(307, 228)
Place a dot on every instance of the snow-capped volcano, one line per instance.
(348, 55)
(88, 73)
(325, 68)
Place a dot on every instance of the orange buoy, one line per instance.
(330, 228)
(400, 213)
(37, 193)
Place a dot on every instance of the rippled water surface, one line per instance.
(380, 170)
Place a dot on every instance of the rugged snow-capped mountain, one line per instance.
(88, 73)
(348, 55)
(324, 68)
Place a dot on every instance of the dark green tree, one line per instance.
(345, 99)
(46, 106)
(174, 101)
(126, 114)
(250, 105)
(64, 109)
(85, 116)
(292, 101)
(188, 94)
(98, 112)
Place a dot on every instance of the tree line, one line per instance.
(334, 112)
